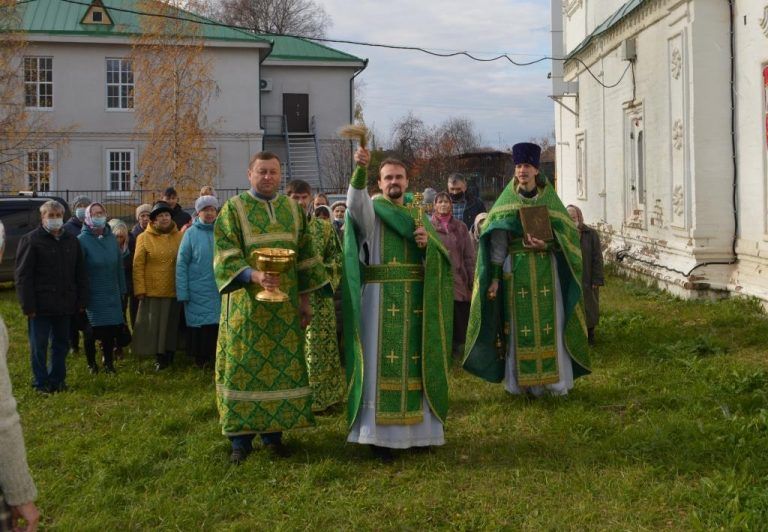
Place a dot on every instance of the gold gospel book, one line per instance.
(536, 223)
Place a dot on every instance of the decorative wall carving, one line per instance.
(570, 6)
(676, 63)
(581, 166)
(679, 166)
(678, 200)
(764, 21)
(677, 134)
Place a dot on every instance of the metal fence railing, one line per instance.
(123, 204)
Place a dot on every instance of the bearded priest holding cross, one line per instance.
(398, 316)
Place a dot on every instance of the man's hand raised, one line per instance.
(362, 157)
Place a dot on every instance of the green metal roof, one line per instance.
(607, 24)
(294, 49)
(61, 17)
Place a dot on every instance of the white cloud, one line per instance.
(508, 103)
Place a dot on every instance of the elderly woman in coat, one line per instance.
(106, 283)
(592, 277)
(154, 285)
(196, 285)
(455, 236)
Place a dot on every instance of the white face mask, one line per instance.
(54, 224)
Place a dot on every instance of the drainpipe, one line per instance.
(261, 61)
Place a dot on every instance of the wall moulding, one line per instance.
(651, 12)
(764, 21)
(571, 6)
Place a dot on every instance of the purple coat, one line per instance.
(459, 245)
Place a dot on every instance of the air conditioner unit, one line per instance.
(265, 85)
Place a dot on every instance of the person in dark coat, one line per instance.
(592, 276)
(142, 221)
(465, 206)
(51, 285)
(180, 217)
(456, 239)
(73, 226)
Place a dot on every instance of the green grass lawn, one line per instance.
(669, 432)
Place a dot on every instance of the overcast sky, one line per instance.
(507, 103)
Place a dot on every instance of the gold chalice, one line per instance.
(274, 261)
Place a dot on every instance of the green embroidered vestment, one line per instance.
(527, 297)
(321, 348)
(261, 374)
(415, 319)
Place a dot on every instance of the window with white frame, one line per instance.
(38, 82)
(119, 83)
(119, 170)
(40, 170)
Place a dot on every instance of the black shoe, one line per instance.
(160, 362)
(93, 369)
(59, 388)
(383, 454)
(426, 449)
(591, 336)
(278, 449)
(238, 456)
(109, 369)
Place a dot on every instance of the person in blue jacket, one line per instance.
(106, 281)
(195, 284)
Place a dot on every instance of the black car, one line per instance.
(20, 214)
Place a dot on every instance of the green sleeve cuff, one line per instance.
(496, 271)
(359, 178)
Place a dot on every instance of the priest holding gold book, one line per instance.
(265, 267)
(527, 325)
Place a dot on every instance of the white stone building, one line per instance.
(78, 71)
(661, 124)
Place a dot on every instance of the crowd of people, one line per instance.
(388, 289)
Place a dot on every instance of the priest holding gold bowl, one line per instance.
(265, 267)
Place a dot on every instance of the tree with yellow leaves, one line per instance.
(174, 86)
(22, 128)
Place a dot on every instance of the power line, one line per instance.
(207, 22)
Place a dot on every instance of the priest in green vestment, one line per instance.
(397, 295)
(321, 347)
(527, 325)
(262, 385)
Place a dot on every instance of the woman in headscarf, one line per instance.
(154, 285)
(106, 286)
(123, 237)
(592, 274)
(456, 239)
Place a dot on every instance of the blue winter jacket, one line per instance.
(106, 277)
(195, 284)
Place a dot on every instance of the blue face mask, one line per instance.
(80, 213)
(99, 222)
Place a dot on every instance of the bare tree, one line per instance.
(174, 86)
(21, 129)
(457, 136)
(431, 151)
(408, 137)
(305, 18)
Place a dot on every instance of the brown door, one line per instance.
(296, 109)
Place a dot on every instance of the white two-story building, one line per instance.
(77, 69)
(662, 136)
